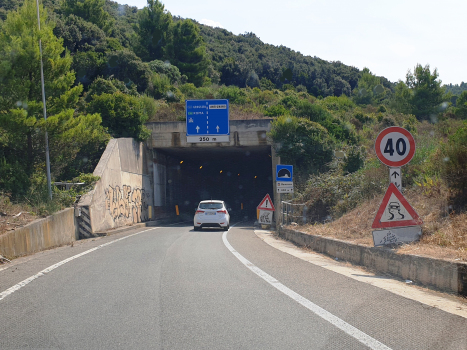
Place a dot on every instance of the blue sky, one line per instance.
(388, 37)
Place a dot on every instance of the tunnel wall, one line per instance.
(124, 193)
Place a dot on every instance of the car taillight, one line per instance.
(199, 211)
(222, 211)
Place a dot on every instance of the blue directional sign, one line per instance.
(209, 118)
(284, 173)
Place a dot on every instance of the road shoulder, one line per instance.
(448, 303)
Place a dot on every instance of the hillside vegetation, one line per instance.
(111, 68)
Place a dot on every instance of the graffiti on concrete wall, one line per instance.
(127, 203)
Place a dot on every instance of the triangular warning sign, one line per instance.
(395, 211)
(266, 204)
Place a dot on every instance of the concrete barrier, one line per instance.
(434, 273)
(52, 231)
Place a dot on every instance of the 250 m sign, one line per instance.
(395, 146)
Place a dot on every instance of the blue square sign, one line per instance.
(207, 118)
(284, 173)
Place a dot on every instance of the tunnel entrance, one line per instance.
(240, 176)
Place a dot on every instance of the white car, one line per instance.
(211, 213)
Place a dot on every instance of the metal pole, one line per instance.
(47, 157)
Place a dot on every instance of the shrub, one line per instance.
(233, 93)
(455, 169)
(122, 114)
(301, 142)
(332, 194)
(167, 69)
(354, 160)
(161, 85)
(276, 110)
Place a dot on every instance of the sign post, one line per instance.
(395, 147)
(207, 121)
(396, 220)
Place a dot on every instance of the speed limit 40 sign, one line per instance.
(395, 146)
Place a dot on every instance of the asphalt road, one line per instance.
(174, 288)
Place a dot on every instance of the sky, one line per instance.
(388, 37)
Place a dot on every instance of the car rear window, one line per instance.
(210, 205)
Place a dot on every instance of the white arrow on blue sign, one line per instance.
(207, 118)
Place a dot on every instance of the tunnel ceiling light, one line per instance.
(220, 172)
(256, 177)
(238, 175)
(201, 167)
(181, 162)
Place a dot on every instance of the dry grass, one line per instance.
(13, 216)
(444, 233)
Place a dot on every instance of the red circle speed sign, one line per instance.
(395, 146)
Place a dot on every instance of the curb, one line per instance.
(433, 273)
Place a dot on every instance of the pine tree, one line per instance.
(153, 31)
(188, 51)
(21, 109)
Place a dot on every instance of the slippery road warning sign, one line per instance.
(395, 211)
(266, 204)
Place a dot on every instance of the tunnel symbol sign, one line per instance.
(284, 173)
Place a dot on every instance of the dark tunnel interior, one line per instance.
(240, 176)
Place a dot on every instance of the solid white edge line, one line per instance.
(25, 282)
(326, 315)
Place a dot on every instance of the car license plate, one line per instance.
(210, 213)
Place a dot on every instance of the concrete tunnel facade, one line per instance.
(240, 172)
(166, 176)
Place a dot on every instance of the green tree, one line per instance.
(172, 72)
(88, 65)
(427, 93)
(302, 142)
(153, 31)
(80, 35)
(369, 89)
(188, 51)
(122, 114)
(21, 111)
(90, 10)
(124, 65)
(461, 105)
(454, 169)
(402, 98)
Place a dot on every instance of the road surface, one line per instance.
(173, 288)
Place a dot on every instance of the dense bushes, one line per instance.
(301, 142)
(123, 115)
(455, 169)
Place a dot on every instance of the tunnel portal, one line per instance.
(240, 176)
(239, 172)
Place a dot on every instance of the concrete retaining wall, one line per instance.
(53, 231)
(124, 194)
(440, 274)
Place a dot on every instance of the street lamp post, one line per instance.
(47, 157)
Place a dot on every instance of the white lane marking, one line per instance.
(326, 315)
(428, 297)
(53, 267)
